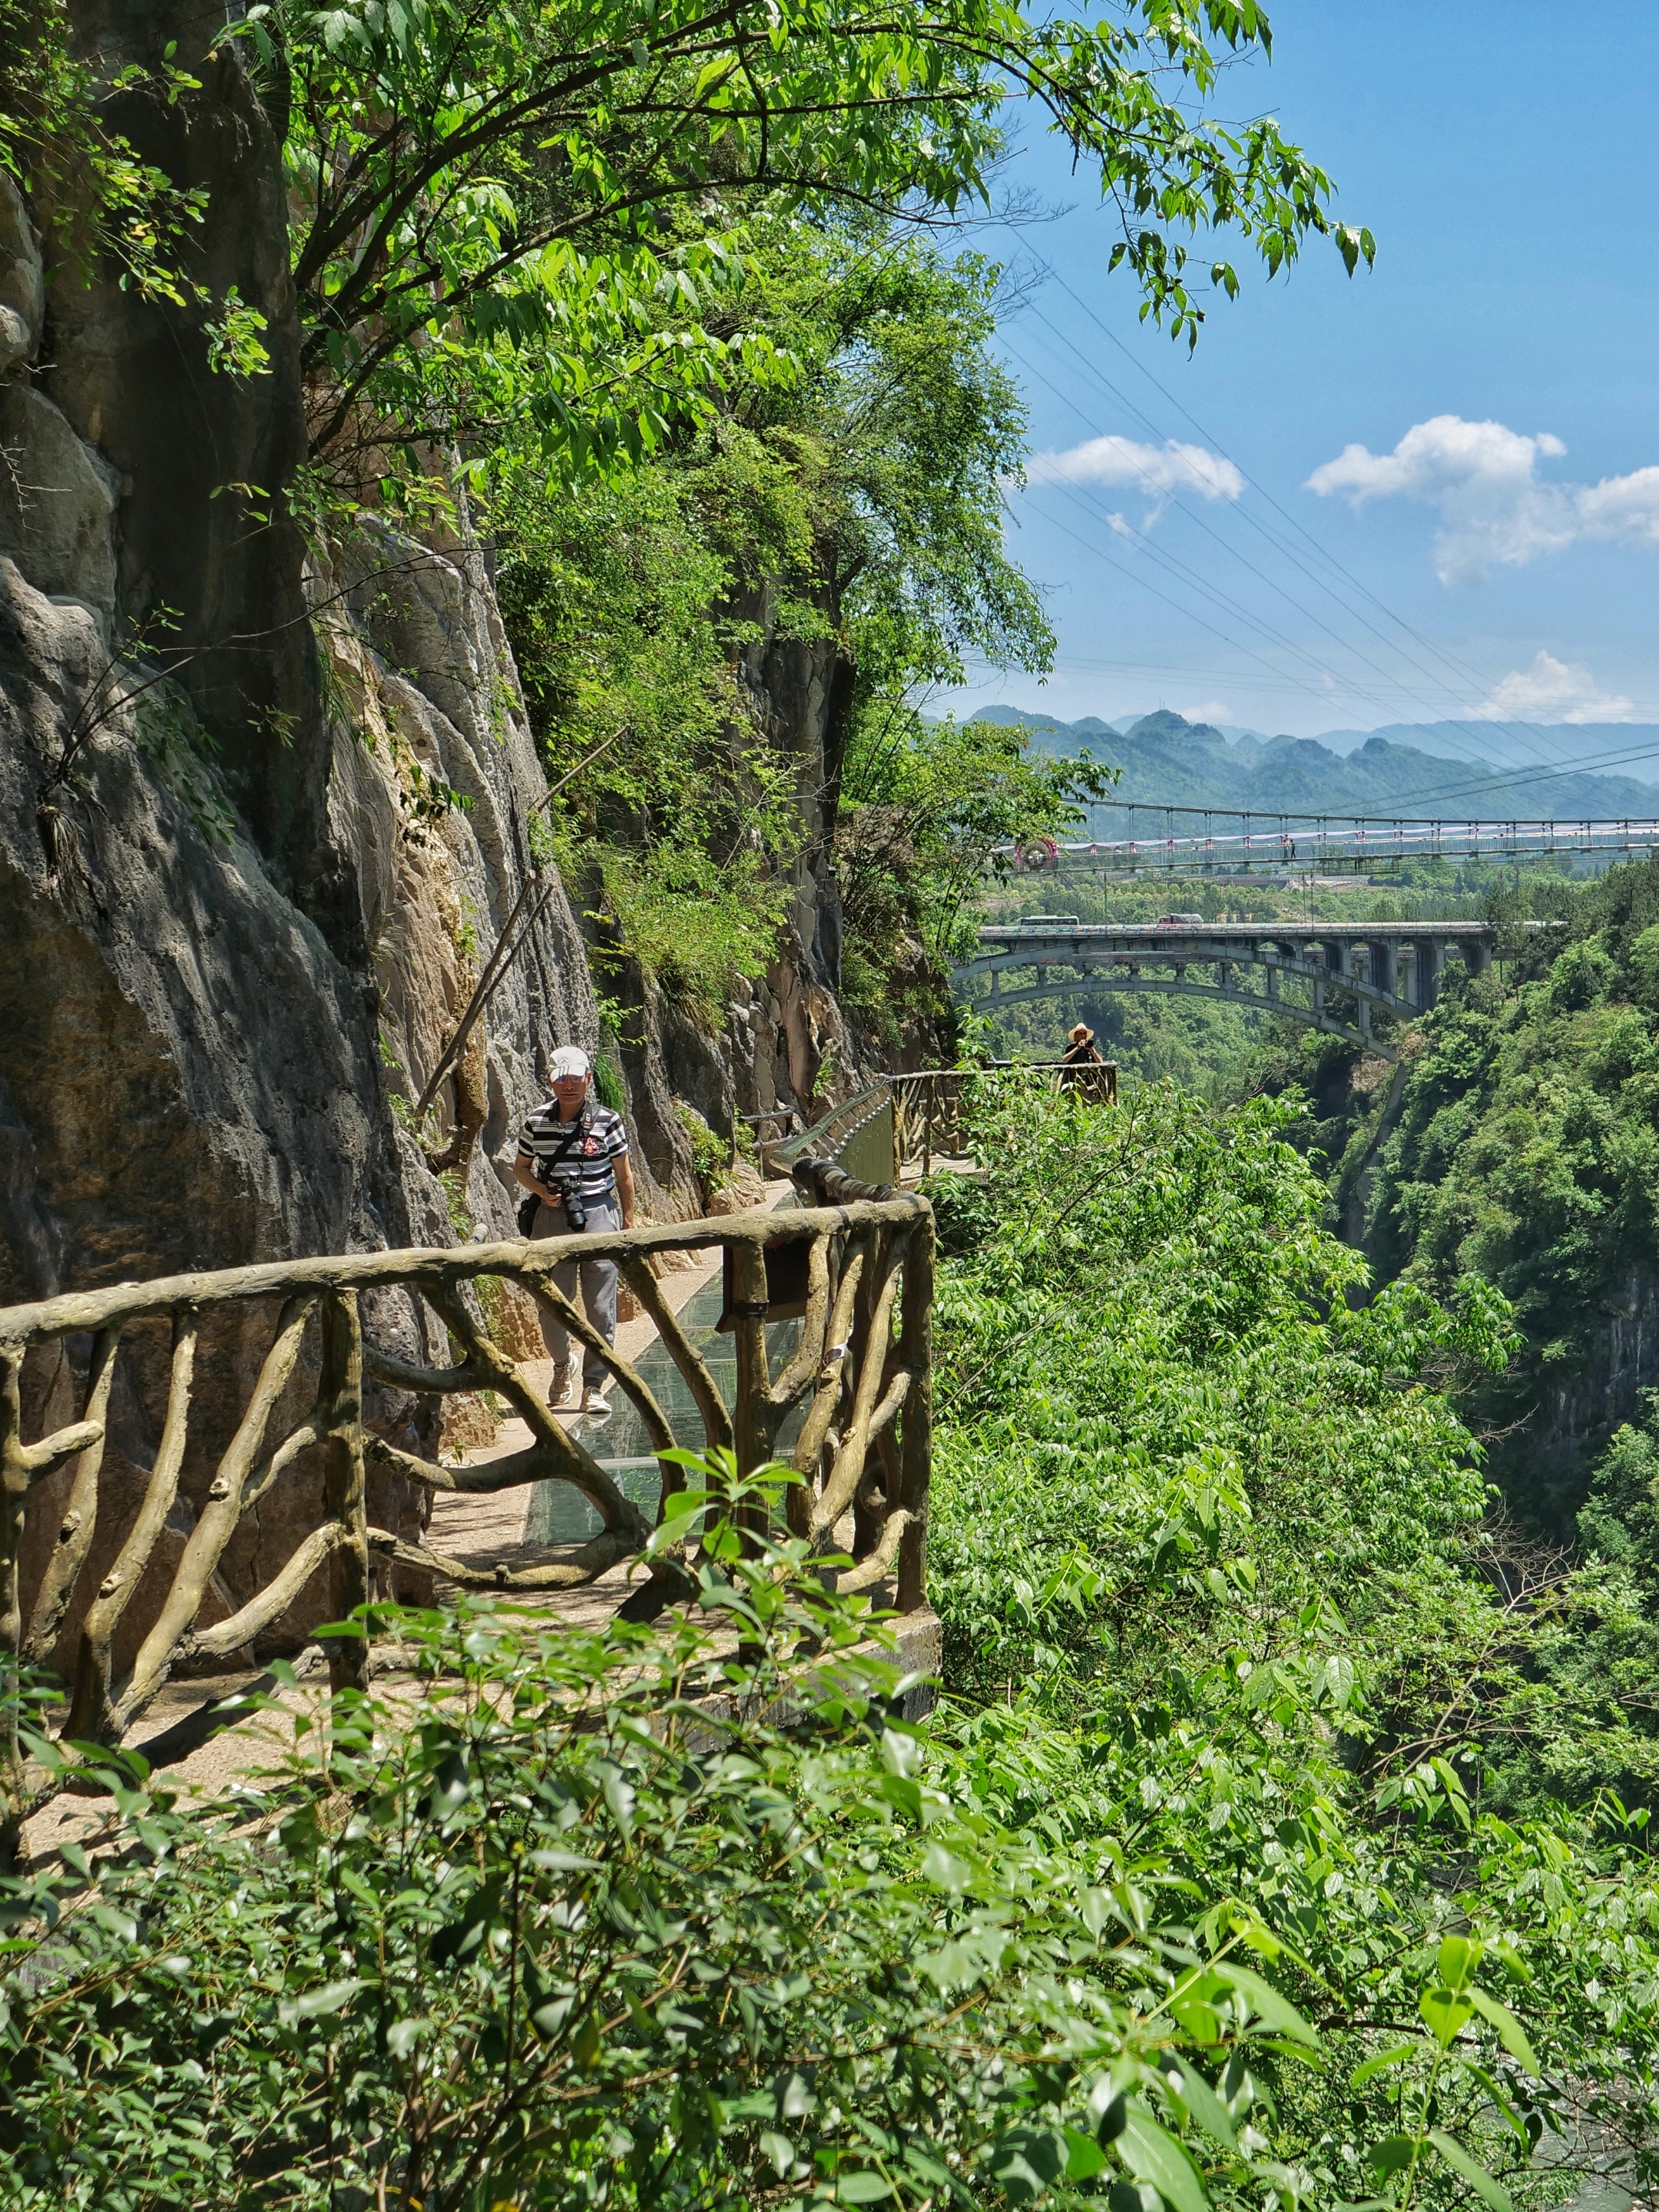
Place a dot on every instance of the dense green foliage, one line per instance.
(1158, 1312)
(1187, 1896)
(1527, 1145)
(845, 529)
(564, 1932)
(1214, 1541)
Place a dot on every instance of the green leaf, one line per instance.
(1510, 2034)
(315, 2003)
(862, 2188)
(1392, 2155)
(1445, 2013)
(779, 2150)
(619, 1796)
(1083, 2156)
(1459, 1958)
(1152, 2155)
(1395, 2056)
(902, 1792)
(1276, 2011)
(1206, 2107)
(944, 1870)
(1489, 2191)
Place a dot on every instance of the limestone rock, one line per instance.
(58, 502)
(22, 280)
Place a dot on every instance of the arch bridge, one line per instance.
(1394, 966)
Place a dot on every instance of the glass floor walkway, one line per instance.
(560, 1515)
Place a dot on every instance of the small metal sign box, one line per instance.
(787, 1262)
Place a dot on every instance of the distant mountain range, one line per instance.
(1170, 762)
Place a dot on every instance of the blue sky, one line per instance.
(1507, 551)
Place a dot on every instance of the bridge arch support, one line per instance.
(1396, 968)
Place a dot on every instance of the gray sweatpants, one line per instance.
(598, 1291)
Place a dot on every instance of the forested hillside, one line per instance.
(1524, 1155)
(1262, 1852)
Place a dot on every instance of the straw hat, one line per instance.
(1081, 1035)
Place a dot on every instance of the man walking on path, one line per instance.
(573, 1160)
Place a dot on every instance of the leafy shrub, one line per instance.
(595, 1917)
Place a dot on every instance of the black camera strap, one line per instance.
(578, 1128)
(532, 1202)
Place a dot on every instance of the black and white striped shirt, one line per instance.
(587, 1160)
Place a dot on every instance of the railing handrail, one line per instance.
(918, 1076)
(74, 1311)
(821, 1139)
(827, 1138)
(931, 1100)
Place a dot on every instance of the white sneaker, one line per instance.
(558, 1392)
(595, 1401)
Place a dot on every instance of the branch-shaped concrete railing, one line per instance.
(929, 1106)
(859, 1371)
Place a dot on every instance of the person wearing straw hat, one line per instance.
(573, 1160)
(1081, 1049)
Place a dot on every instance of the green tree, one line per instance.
(509, 213)
(855, 512)
(932, 810)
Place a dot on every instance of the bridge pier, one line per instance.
(1431, 964)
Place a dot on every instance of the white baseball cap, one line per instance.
(569, 1059)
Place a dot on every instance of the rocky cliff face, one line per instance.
(1548, 1447)
(237, 922)
(264, 812)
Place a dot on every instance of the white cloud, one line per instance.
(1555, 691)
(1159, 470)
(1212, 710)
(1494, 506)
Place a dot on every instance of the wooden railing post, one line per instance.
(916, 1454)
(346, 1486)
(13, 1496)
(751, 1416)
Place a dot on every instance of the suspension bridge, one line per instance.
(1201, 841)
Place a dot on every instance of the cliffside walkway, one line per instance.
(824, 1317)
(1338, 974)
